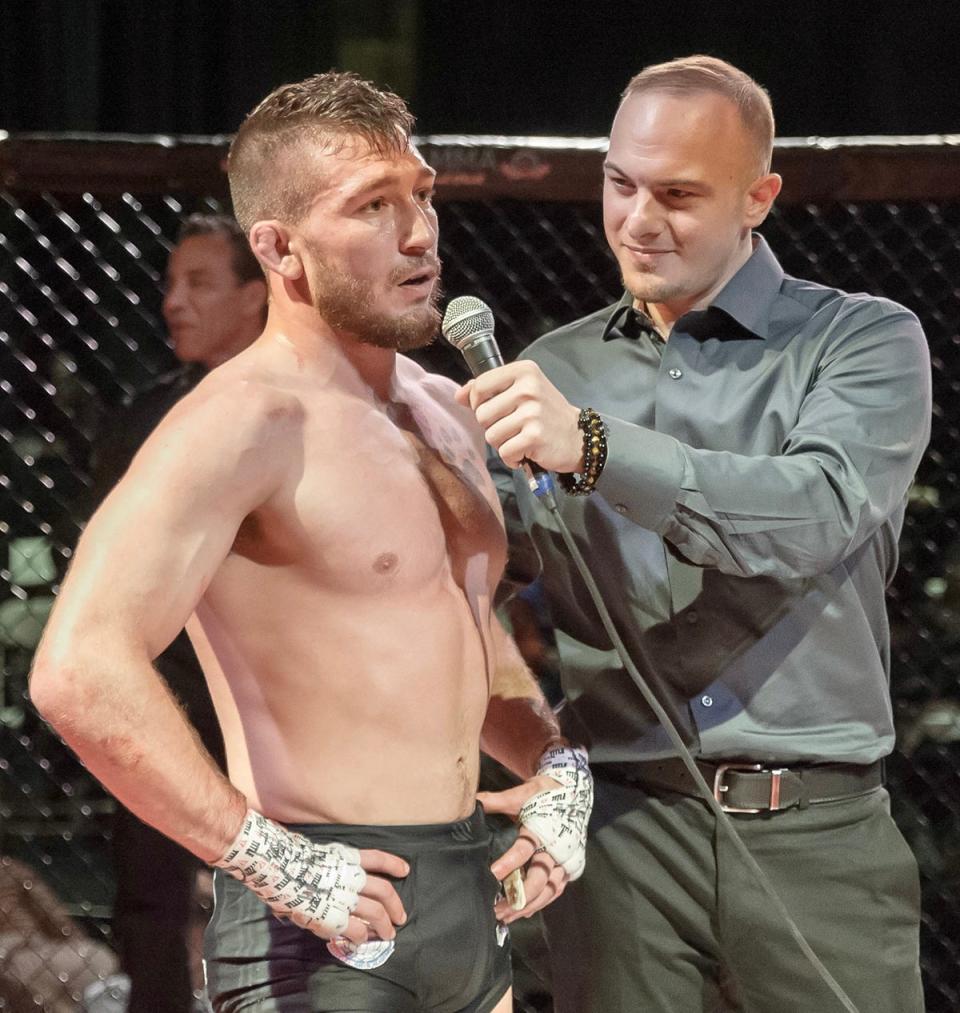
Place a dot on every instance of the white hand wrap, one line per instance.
(559, 816)
(316, 886)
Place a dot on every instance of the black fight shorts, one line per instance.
(450, 956)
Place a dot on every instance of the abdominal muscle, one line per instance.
(348, 708)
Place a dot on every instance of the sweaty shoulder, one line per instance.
(440, 390)
(233, 427)
(440, 387)
(237, 407)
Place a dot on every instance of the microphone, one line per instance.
(468, 326)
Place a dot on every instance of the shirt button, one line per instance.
(692, 617)
(706, 700)
(621, 508)
(675, 373)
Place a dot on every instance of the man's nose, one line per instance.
(420, 234)
(172, 299)
(644, 217)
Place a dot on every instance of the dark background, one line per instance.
(79, 272)
(472, 66)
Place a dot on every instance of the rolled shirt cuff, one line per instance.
(643, 474)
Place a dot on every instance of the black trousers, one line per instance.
(151, 915)
(155, 877)
(668, 918)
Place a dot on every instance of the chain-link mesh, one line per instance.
(80, 328)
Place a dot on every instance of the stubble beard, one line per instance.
(345, 304)
(647, 288)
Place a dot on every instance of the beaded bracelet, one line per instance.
(594, 455)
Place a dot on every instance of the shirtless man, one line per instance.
(321, 519)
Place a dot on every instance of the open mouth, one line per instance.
(423, 278)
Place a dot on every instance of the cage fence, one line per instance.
(86, 225)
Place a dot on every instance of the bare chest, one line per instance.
(384, 500)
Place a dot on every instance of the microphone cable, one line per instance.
(685, 755)
(468, 325)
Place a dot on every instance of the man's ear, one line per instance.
(760, 197)
(270, 242)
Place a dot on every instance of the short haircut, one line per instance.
(690, 74)
(245, 265)
(267, 178)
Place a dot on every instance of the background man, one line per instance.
(214, 306)
(741, 489)
(320, 516)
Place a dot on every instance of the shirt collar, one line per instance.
(749, 295)
(626, 321)
(746, 302)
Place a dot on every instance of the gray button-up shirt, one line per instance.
(745, 526)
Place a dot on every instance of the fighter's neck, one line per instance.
(376, 368)
(316, 344)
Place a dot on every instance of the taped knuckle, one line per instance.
(543, 826)
(357, 878)
(533, 808)
(335, 919)
(347, 853)
(575, 868)
(375, 888)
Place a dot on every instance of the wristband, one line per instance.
(594, 455)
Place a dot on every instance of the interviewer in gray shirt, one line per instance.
(761, 434)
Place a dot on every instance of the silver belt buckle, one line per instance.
(719, 787)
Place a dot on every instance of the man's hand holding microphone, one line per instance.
(532, 426)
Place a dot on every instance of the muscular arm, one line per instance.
(140, 568)
(552, 804)
(519, 726)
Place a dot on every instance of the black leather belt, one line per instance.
(743, 787)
